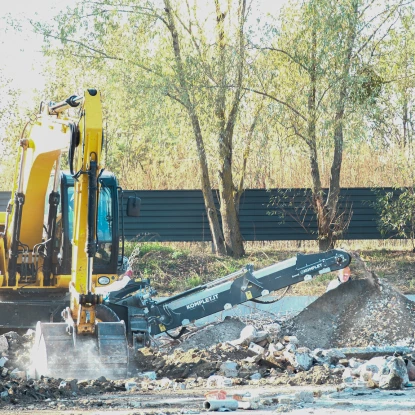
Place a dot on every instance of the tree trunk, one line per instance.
(217, 236)
(230, 217)
(323, 222)
(335, 228)
(327, 212)
(228, 209)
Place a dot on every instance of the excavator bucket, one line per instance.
(56, 353)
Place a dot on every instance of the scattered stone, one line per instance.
(131, 385)
(219, 381)
(255, 349)
(256, 376)
(248, 334)
(4, 344)
(394, 374)
(304, 396)
(329, 357)
(229, 369)
(3, 361)
(17, 374)
(148, 375)
(301, 359)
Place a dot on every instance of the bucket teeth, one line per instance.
(58, 354)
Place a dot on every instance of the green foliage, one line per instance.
(397, 213)
(194, 281)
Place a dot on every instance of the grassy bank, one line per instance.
(174, 268)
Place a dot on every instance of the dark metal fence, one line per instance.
(179, 215)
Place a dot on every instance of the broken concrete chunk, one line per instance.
(300, 359)
(254, 349)
(280, 346)
(291, 339)
(330, 356)
(247, 335)
(291, 347)
(355, 363)
(4, 344)
(17, 374)
(229, 369)
(131, 385)
(256, 376)
(394, 374)
(219, 381)
(148, 375)
(165, 383)
(272, 348)
(347, 376)
(261, 336)
(3, 361)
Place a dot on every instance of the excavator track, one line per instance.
(56, 353)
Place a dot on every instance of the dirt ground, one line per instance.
(326, 400)
(367, 311)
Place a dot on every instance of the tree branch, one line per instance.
(286, 104)
(283, 52)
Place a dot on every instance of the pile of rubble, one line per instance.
(268, 357)
(340, 339)
(367, 312)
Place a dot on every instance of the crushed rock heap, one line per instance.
(367, 312)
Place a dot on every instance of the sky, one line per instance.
(21, 50)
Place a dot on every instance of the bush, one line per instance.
(397, 213)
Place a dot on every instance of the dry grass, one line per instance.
(282, 167)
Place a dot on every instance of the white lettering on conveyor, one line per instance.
(312, 268)
(210, 299)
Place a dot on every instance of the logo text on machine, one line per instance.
(210, 299)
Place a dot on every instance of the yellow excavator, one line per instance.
(60, 254)
(60, 242)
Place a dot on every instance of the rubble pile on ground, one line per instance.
(305, 350)
(267, 357)
(256, 356)
(366, 312)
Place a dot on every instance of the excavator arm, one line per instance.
(82, 344)
(148, 316)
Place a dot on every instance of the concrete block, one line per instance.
(254, 349)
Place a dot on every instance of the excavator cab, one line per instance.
(106, 260)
